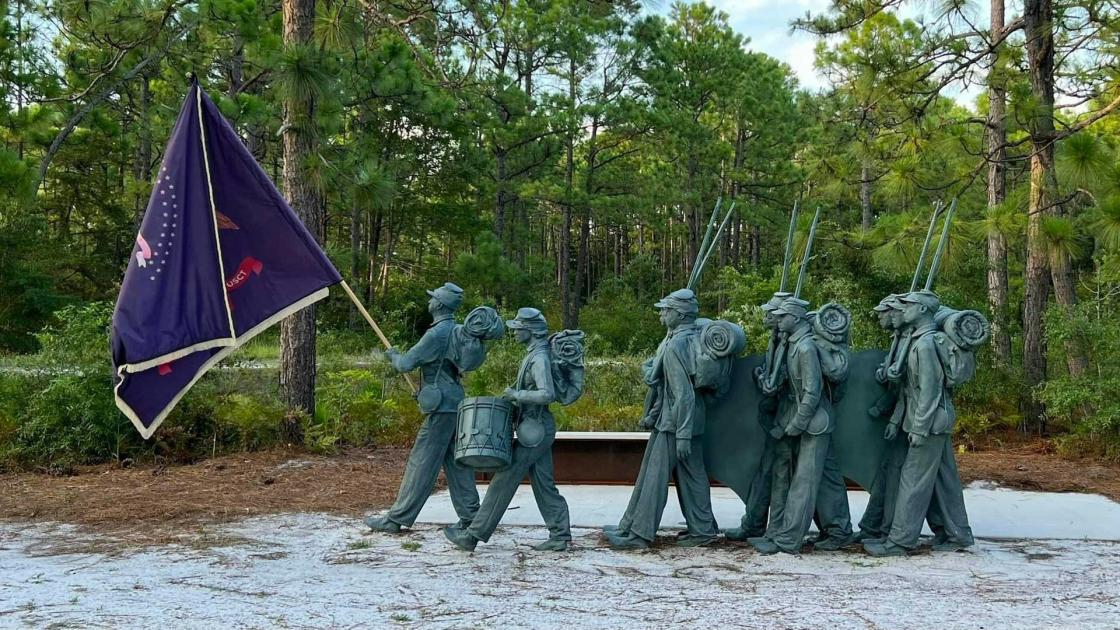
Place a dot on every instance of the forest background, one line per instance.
(564, 154)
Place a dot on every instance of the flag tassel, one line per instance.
(376, 328)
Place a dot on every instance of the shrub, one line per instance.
(354, 409)
(1087, 405)
(73, 421)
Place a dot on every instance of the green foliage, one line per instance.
(623, 321)
(989, 402)
(613, 397)
(249, 422)
(1087, 405)
(72, 421)
(490, 273)
(353, 409)
(79, 338)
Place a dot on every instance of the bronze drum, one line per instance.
(484, 438)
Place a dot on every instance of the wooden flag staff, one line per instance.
(376, 328)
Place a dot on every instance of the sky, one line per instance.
(767, 24)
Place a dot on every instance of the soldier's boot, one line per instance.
(764, 545)
(688, 540)
(885, 549)
(951, 545)
(382, 524)
(552, 544)
(627, 542)
(833, 543)
(737, 533)
(460, 538)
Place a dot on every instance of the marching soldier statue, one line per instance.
(542, 379)
(929, 482)
(876, 521)
(805, 422)
(675, 416)
(757, 503)
(438, 399)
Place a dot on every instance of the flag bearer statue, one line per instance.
(439, 398)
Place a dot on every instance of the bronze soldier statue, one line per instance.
(438, 399)
(675, 416)
(806, 423)
(929, 482)
(534, 390)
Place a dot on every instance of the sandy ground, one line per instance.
(273, 540)
(317, 570)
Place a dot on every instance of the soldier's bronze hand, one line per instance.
(684, 448)
(891, 432)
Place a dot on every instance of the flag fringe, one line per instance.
(146, 432)
(132, 368)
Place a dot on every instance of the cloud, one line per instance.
(800, 55)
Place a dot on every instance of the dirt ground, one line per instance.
(214, 490)
(277, 481)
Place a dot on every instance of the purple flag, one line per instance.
(219, 258)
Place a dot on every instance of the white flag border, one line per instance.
(146, 432)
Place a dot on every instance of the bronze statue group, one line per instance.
(801, 383)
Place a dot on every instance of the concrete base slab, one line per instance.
(994, 512)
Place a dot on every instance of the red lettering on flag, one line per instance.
(164, 369)
(248, 267)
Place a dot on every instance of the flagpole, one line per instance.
(376, 328)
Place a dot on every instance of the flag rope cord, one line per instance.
(214, 213)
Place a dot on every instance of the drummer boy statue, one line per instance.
(438, 399)
(532, 454)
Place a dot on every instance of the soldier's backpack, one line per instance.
(467, 346)
(832, 326)
(961, 332)
(715, 347)
(567, 365)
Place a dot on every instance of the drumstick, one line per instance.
(376, 329)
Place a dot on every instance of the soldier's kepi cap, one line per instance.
(928, 299)
(450, 295)
(530, 319)
(776, 301)
(682, 301)
(792, 306)
(886, 303)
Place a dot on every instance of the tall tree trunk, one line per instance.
(297, 332)
(502, 201)
(756, 245)
(1065, 293)
(865, 196)
(997, 191)
(1038, 22)
(373, 238)
(565, 256)
(355, 254)
(142, 165)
